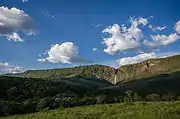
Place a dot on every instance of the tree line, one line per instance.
(22, 95)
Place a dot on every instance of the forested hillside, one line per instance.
(32, 91)
(27, 95)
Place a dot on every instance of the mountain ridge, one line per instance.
(125, 73)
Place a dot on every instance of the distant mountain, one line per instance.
(125, 73)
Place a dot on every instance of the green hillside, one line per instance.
(149, 68)
(27, 95)
(125, 73)
(97, 71)
(34, 91)
(141, 110)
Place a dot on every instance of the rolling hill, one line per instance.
(125, 73)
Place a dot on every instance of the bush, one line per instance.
(137, 97)
(30, 106)
(43, 104)
(88, 101)
(170, 96)
(101, 99)
(7, 108)
(153, 97)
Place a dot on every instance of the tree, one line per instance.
(30, 106)
(137, 97)
(101, 99)
(43, 103)
(130, 95)
(153, 97)
(12, 92)
(170, 96)
(126, 99)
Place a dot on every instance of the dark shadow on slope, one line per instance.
(25, 88)
(91, 83)
(160, 84)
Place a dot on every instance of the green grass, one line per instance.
(141, 110)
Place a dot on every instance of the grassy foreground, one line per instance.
(140, 110)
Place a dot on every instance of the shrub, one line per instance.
(153, 97)
(101, 99)
(43, 103)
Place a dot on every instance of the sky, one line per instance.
(68, 33)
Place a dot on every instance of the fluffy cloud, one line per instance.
(66, 53)
(24, 1)
(133, 38)
(94, 49)
(123, 38)
(138, 21)
(7, 68)
(177, 27)
(15, 37)
(166, 54)
(143, 57)
(160, 40)
(136, 59)
(13, 21)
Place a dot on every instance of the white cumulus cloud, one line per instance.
(160, 40)
(65, 53)
(177, 27)
(15, 37)
(123, 38)
(7, 68)
(24, 1)
(94, 49)
(13, 21)
(133, 38)
(143, 57)
(138, 21)
(136, 59)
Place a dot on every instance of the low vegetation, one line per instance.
(140, 110)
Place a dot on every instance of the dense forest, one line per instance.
(27, 95)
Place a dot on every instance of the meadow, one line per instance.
(137, 110)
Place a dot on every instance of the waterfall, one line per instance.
(115, 79)
(115, 75)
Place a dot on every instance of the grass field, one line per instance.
(140, 110)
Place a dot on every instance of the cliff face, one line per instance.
(94, 71)
(125, 73)
(149, 68)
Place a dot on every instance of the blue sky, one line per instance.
(81, 22)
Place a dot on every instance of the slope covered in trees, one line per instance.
(33, 91)
(27, 95)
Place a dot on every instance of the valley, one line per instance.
(41, 90)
